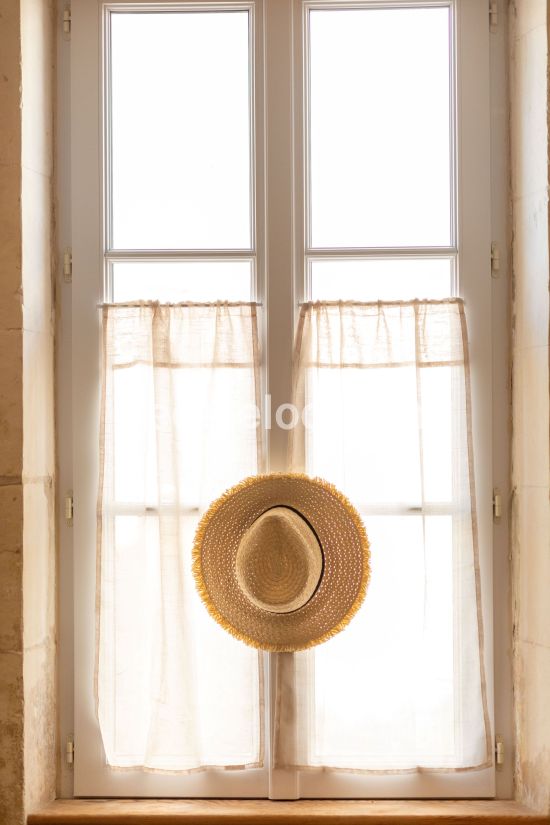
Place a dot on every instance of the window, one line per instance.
(272, 152)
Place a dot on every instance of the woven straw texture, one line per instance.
(345, 572)
(279, 561)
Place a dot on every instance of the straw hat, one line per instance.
(281, 561)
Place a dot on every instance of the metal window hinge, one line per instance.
(493, 15)
(68, 265)
(499, 751)
(69, 751)
(495, 260)
(497, 503)
(67, 21)
(69, 508)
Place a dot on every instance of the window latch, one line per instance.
(495, 260)
(67, 22)
(69, 508)
(497, 504)
(499, 751)
(69, 751)
(493, 15)
(67, 265)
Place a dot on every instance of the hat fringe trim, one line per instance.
(203, 590)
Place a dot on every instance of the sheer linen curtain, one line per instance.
(385, 389)
(181, 385)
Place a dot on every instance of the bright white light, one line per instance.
(176, 281)
(380, 279)
(180, 115)
(380, 127)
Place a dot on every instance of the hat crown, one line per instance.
(279, 561)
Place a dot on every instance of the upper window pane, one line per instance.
(379, 127)
(181, 124)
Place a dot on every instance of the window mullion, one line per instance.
(280, 231)
(279, 304)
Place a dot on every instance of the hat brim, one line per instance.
(346, 561)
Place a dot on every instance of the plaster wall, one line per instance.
(530, 400)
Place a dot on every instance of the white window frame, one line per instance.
(280, 255)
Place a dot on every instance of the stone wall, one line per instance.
(39, 550)
(530, 400)
(27, 461)
(11, 421)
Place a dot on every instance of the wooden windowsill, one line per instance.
(304, 812)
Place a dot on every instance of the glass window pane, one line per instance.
(375, 279)
(380, 152)
(180, 119)
(176, 281)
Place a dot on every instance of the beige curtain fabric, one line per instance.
(385, 394)
(181, 386)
